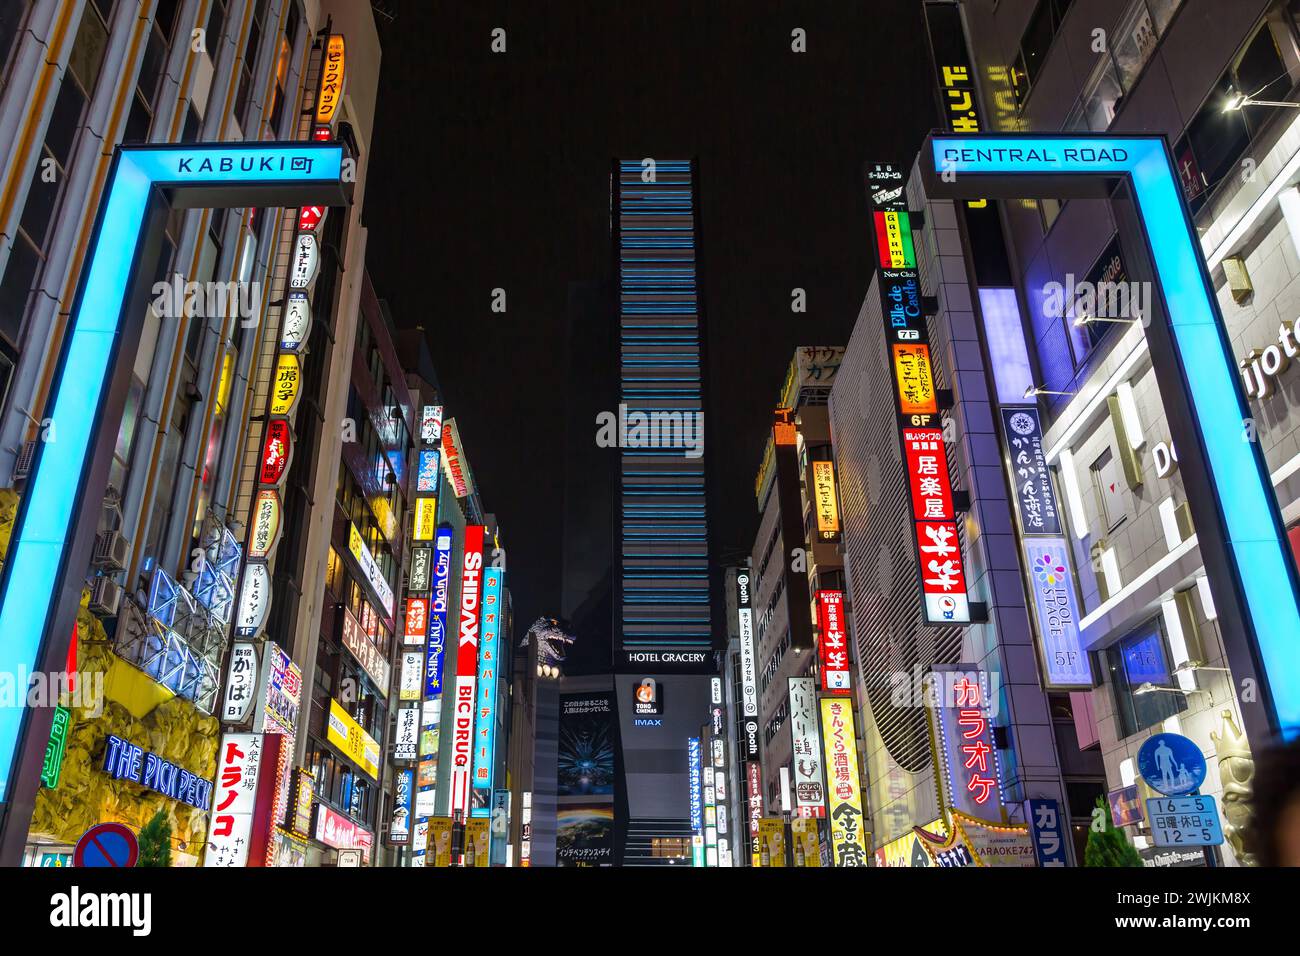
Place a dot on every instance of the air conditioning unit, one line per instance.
(23, 464)
(105, 597)
(110, 551)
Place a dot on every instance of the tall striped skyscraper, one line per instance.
(662, 617)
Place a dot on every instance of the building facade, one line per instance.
(1145, 611)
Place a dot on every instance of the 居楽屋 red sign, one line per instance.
(833, 642)
(471, 600)
(927, 473)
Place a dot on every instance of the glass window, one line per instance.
(1146, 690)
(12, 15)
(88, 49)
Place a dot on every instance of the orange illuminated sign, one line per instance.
(915, 378)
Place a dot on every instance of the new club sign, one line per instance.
(467, 631)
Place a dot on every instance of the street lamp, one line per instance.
(1236, 100)
(1034, 390)
(1085, 320)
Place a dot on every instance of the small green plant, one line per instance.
(156, 841)
(1108, 846)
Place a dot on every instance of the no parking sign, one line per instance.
(107, 844)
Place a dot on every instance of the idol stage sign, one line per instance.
(1252, 577)
(55, 525)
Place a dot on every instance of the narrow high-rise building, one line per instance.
(663, 635)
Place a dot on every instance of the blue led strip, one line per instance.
(42, 538)
(1249, 507)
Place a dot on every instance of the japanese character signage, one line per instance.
(406, 738)
(942, 574)
(374, 574)
(284, 387)
(754, 802)
(927, 473)
(241, 684)
(697, 789)
(399, 828)
(894, 239)
(280, 692)
(431, 425)
(965, 738)
(415, 623)
(1056, 612)
(421, 575)
(949, 53)
(1184, 821)
(412, 676)
(333, 61)
(297, 321)
(52, 765)
(943, 577)
(355, 639)
(1030, 477)
(467, 630)
(489, 652)
(1048, 831)
(426, 475)
(806, 754)
(343, 833)
(915, 379)
(828, 511)
(306, 261)
(239, 759)
(310, 217)
(266, 523)
(833, 642)
(848, 842)
(254, 599)
(426, 519)
(349, 736)
(276, 446)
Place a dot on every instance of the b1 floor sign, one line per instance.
(54, 528)
(1171, 764)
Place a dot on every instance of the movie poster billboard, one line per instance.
(585, 764)
(584, 835)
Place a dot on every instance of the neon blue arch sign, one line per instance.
(54, 529)
(1239, 527)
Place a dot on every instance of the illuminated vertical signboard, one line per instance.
(696, 776)
(940, 569)
(833, 642)
(848, 842)
(438, 613)
(485, 710)
(467, 639)
(806, 749)
(57, 517)
(824, 501)
(964, 736)
(748, 664)
(1048, 563)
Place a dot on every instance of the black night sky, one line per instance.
(492, 170)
